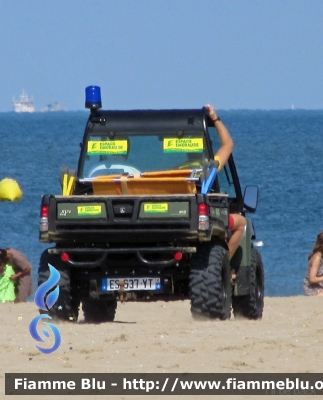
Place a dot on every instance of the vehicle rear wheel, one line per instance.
(251, 306)
(97, 311)
(210, 282)
(65, 308)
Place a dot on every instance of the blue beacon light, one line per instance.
(93, 98)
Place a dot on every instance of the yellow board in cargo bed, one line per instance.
(159, 182)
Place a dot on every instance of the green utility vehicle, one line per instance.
(145, 216)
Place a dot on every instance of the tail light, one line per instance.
(204, 220)
(65, 257)
(43, 223)
(178, 256)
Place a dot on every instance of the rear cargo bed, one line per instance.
(120, 219)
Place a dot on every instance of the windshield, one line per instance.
(136, 153)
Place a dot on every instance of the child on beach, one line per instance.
(22, 272)
(7, 286)
(313, 283)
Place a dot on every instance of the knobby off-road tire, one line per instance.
(97, 311)
(210, 282)
(252, 305)
(65, 307)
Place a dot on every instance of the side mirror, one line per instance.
(250, 198)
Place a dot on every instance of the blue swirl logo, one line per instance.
(45, 301)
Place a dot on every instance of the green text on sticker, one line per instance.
(89, 210)
(100, 147)
(156, 207)
(173, 145)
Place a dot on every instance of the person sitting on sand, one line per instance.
(313, 283)
(237, 222)
(22, 275)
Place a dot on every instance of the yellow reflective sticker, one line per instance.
(89, 210)
(173, 145)
(155, 207)
(99, 147)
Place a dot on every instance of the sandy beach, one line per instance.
(162, 337)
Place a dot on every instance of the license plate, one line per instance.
(131, 284)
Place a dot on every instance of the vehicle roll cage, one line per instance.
(179, 121)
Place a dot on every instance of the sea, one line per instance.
(280, 151)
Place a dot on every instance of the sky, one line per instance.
(234, 54)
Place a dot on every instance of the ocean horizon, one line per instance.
(278, 150)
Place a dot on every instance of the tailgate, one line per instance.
(121, 219)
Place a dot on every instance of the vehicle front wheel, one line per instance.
(252, 305)
(210, 282)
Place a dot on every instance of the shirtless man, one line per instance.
(237, 222)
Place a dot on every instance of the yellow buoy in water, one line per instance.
(9, 190)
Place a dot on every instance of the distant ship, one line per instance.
(24, 104)
(51, 107)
